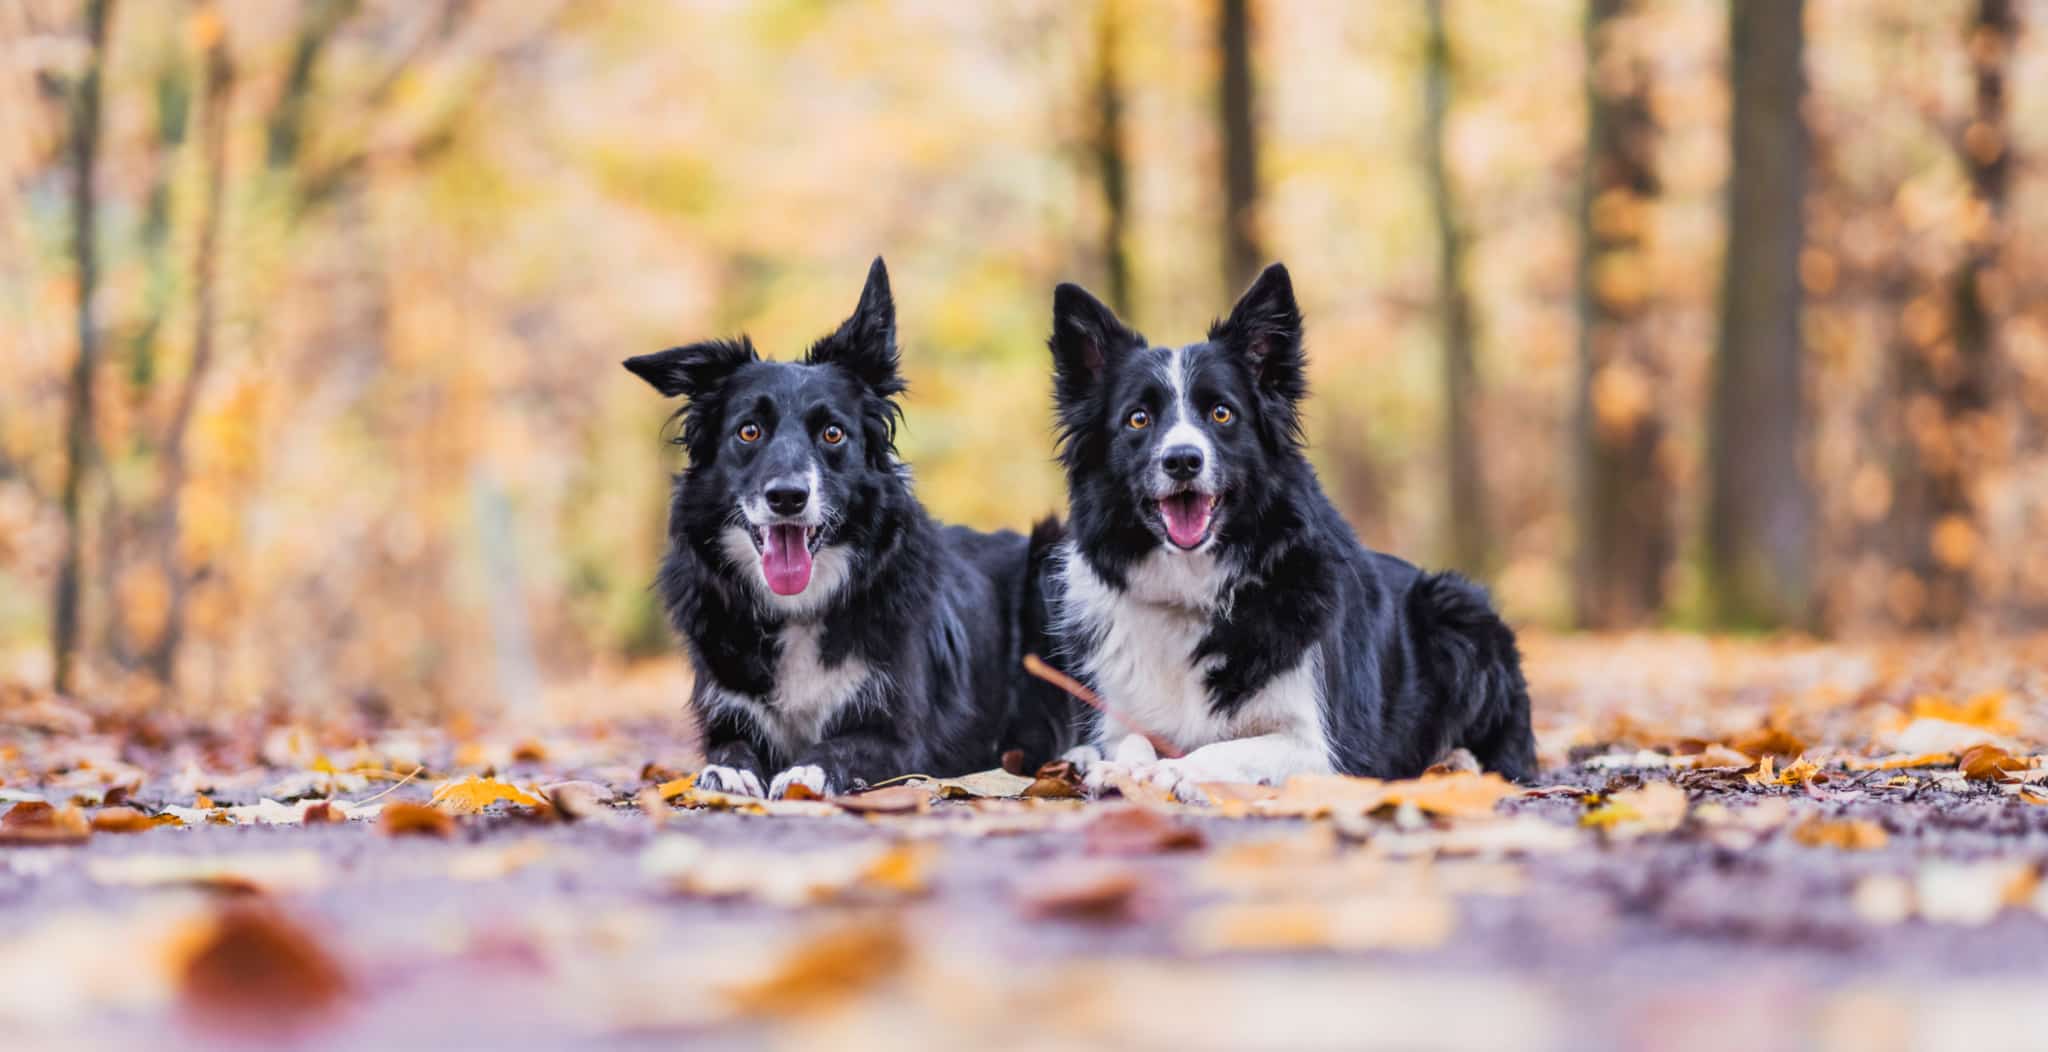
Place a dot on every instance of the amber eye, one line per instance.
(1222, 414)
(1139, 420)
(833, 434)
(750, 432)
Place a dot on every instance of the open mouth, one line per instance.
(1188, 515)
(786, 549)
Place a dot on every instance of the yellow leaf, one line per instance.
(471, 795)
(1849, 835)
(1985, 711)
(1658, 807)
(673, 788)
(825, 971)
(1463, 794)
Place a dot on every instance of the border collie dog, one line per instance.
(838, 635)
(1213, 597)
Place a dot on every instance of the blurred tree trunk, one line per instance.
(218, 78)
(1111, 162)
(1947, 371)
(1470, 537)
(1625, 535)
(1242, 255)
(285, 131)
(1760, 506)
(85, 146)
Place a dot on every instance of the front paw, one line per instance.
(809, 775)
(718, 778)
(1176, 778)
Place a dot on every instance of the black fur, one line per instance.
(1413, 663)
(932, 612)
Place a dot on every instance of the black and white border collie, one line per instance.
(1213, 597)
(839, 636)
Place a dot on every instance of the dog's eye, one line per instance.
(1139, 420)
(833, 434)
(750, 432)
(1221, 413)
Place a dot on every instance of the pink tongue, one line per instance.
(1187, 517)
(786, 562)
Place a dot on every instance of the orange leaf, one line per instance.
(1091, 893)
(1463, 794)
(35, 822)
(405, 818)
(1848, 835)
(893, 800)
(825, 971)
(1985, 711)
(471, 795)
(1133, 830)
(1989, 763)
(252, 969)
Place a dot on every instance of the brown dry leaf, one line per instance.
(1097, 893)
(250, 968)
(577, 801)
(129, 820)
(892, 800)
(1801, 772)
(33, 822)
(323, 812)
(1771, 739)
(471, 795)
(1058, 780)
(826, 971)
(1462, 794)
(405, 818)
(1133, 830)
(1765, 773)
(1400, 921)
(1658, 807)
(799, 791)
(1718, 755)
(1846, 835)
(1989, 763)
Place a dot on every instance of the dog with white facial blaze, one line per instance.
(1212, 596)
(838, 635)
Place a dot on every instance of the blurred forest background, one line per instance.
(1686, 313)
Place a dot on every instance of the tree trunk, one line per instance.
(1626, 535)
(1470, 537)
(1111, 162)
(213, 137)
(1242, 255)
(1759, 505)
(85, 145)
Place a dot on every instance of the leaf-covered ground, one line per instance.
(1736, 845)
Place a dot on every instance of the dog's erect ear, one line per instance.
(865, 343)
(1086, 337)
(1265, 329)
(693, 370)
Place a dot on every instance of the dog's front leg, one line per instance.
(732, 752)
(861, 746)
(1267, 759)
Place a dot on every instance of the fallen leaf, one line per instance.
(1989, 763)
(1321, 795)
(1132, 830)
(34, 822)
(323, 812)
(992, 784)
(471, 795)
(1771, 739)
(1900, 761)
(1096, 893)
(825, 971)
(577, 801)
(1846, 835)
(405, 818)
(788, 878)
(1658, 807)
(675, 787)
(1985, 711)
(1801, 772)
(1462, 794)
(892, 800)
(800, 791)
(129, 820)
(252, 969)
(1058, 780)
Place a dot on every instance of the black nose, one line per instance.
(787, 500)
(1182, 463)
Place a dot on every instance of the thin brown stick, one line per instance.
(1080, 691)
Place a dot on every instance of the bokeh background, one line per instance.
(1651, 313)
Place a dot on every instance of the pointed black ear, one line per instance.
(1265, 328)
(865, 343)
(1086, 337)
(695, 369)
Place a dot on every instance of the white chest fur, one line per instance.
(1137, 645)
(807, 695)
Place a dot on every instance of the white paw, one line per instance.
(1081, 756)
(810, 776)
(1177, 777)
(721, 779)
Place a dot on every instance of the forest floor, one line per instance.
(1750, 845)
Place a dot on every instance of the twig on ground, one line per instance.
(1037, 667)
